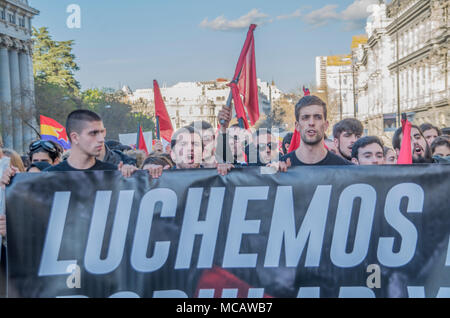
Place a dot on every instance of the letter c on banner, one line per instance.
(139, 259)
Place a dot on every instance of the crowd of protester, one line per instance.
(199, 145)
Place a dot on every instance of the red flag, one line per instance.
(306, 91)
(141, 143)
(165, 125)
(405, 156)
(295, 141)
(54, 131)
(247, 86)
(218, 279)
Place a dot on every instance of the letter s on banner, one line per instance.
(399, 222)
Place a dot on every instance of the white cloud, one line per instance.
(354, 16)
(357, 10)
(296, 14)
(222, 24)
(322, 16)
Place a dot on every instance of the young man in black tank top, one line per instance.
(311, 123)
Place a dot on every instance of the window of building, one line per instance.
(22, 21)
(2, 14)
(12, 18)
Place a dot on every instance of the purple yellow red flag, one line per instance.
(54, 131)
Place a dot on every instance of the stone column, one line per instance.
(5, 98)
(26, 98)
(17, 112)
(33, 121)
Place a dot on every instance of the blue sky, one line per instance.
(133, 42)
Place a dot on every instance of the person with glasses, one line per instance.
(264, 148)
(45, 151)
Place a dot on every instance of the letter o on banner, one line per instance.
(368, 197)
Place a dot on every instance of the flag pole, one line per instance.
(230, 100)
(158, 133)
(137, 136)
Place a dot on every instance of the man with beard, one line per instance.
(311, 123)
(346, 133)
(421, 152)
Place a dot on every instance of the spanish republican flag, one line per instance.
(54, 131)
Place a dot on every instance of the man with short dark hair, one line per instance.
(346, 133)
(368, 151)
(87, 137)
(186, 151)
(421, 152)
(430, 132)
(311, 123)
(187, 148)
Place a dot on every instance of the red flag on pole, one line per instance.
(244, 82)
(141, 144)
(295, 141)
(165, 125)
(405, 156)
(306, 91)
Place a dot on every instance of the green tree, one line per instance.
(53, 101)
(118, 116)
(58, 93)
(53, 61)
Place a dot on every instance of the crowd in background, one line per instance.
(199, 145)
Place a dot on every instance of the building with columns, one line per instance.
(404, 66)
(195, 101)
(16, 75)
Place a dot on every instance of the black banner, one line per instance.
(311, 232)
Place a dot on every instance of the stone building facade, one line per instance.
(16, 75)
(406, 60)
(196, 101)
